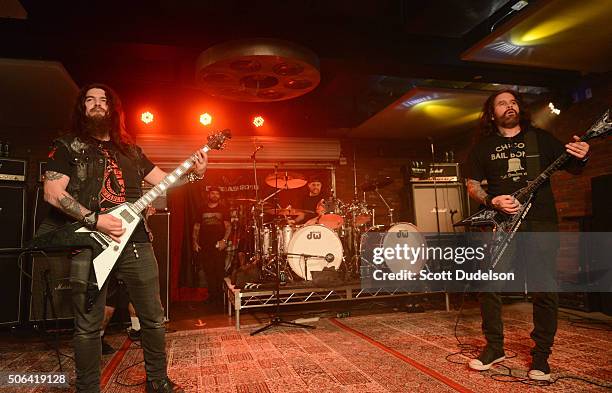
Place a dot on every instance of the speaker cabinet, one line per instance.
(10, 289)
(451, 205)
(52, 272)
(159, 224)
(12, 213)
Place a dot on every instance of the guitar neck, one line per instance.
(168, 181)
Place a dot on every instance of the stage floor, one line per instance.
(374, 350)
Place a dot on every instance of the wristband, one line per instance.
(90, 220)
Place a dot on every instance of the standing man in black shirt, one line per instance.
(90, 170)
(500, 157)
(210, 234)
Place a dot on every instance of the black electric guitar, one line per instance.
(506, 225)
(105, 250)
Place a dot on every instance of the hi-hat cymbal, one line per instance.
(372, 185)
(287, 212)
(250, 201)
(288, 180)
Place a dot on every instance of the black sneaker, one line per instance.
(539, 370)
(163, 386)
(133, 334)
(106, 348)
(486, 359)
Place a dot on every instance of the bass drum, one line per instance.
(321, 243)
(400, 234)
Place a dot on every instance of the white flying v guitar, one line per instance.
(105, 250)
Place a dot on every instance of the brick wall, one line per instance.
(375, 159)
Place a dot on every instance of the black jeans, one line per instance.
(136, 267)
(538, 276)
(212, 262)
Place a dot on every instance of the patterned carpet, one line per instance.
(396, 352)
(32, 357)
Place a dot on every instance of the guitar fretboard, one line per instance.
(163, 185)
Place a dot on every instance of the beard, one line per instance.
(97, 126)
(510, 119)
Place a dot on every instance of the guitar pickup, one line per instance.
(103, 239)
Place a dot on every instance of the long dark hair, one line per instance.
(487, 124)
(118, 133)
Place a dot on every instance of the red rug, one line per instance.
(31, 357)
(383, 353)
(396, 352)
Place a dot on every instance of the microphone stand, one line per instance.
(435, 186)
(276, 320)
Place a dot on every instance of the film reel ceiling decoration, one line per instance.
(258, 70)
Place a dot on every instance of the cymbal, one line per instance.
(288, 180)
(372, 185)
(287, 212)
(244, 200)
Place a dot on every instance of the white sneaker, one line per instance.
(538, 375)
(486, 359)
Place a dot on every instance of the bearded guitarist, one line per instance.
(511, 151)
(91, 170)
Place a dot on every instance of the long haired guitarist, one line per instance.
(95, 168)
(509, 152)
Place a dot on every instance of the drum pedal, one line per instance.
(414, 308)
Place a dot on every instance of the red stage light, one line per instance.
(258, 121)
(205, 119)
(146, 117)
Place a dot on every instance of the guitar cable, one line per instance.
(471, 350)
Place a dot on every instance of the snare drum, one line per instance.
(320, 247)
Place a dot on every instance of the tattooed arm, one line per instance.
(55, 193)
(476, 191)
(506, 203)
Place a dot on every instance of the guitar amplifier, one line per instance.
(438, 171)
(12, 169)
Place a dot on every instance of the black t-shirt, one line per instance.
(117, 186)
(502, 162)
(212, 226)
(310, 203)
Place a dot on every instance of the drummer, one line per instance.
(313, 202)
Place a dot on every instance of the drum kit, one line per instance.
(286, 251)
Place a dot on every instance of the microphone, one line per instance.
(329, 258)
(257, 148)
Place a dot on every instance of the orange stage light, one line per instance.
(205, 119)
(146, 117)
(258, 121)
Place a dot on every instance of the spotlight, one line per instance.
(146, 117)
(258, 121)
(205, 119)
(552, 108)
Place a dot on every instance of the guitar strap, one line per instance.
(532, 154)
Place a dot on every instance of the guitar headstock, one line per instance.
(600, 128)
(216, 141)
